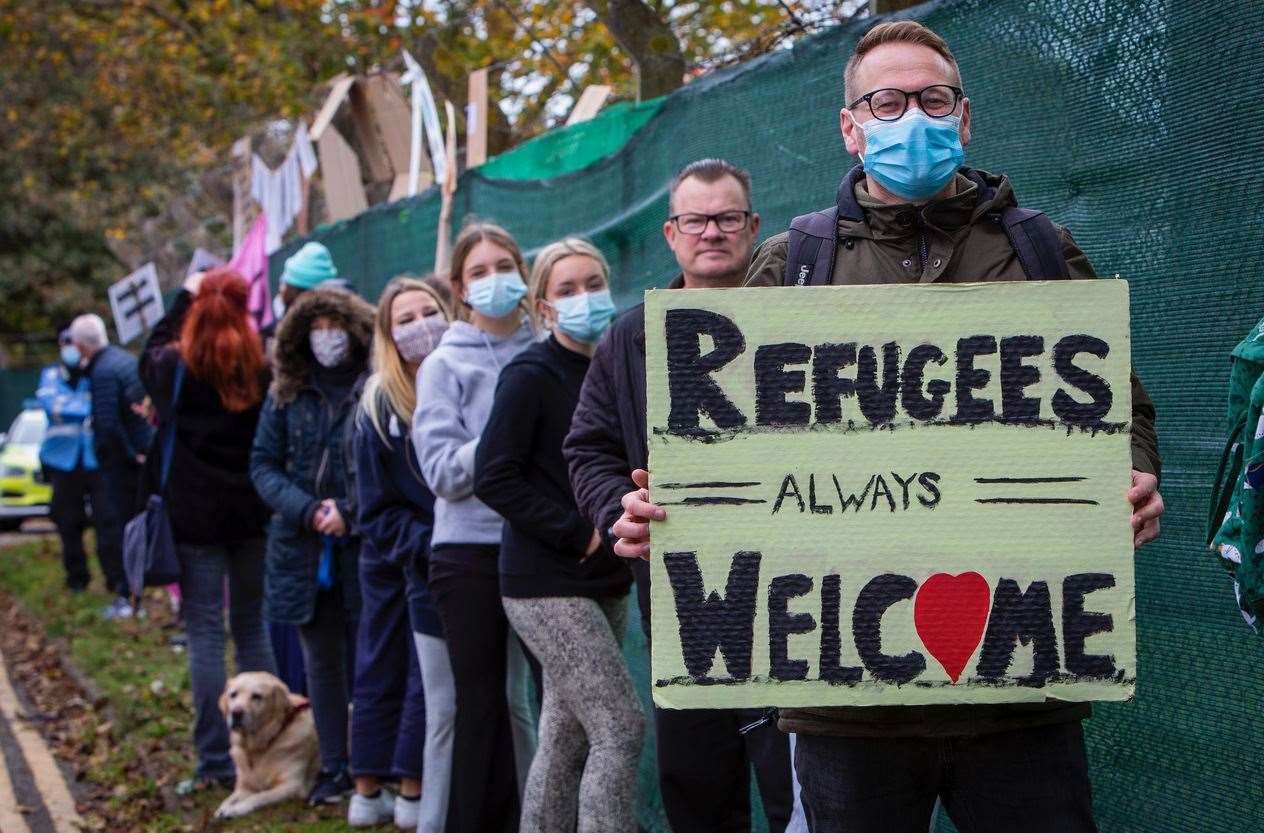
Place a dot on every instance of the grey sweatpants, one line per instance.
(591, 723)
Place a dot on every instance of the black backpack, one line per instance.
(814, 237)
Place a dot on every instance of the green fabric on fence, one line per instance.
(569, 149)
(16, 386)
(1101, 112)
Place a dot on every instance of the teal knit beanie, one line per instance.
(308, 267)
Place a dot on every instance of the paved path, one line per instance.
(34, 796)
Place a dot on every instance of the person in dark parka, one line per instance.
(298, 465)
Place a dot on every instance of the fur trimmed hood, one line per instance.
(292, 354)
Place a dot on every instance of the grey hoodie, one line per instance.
(455, 388)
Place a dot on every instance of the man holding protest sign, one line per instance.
(703, 756)
(910, 215)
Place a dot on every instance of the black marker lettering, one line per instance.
(773, 381)
(782, 623)
(692, 390)
(708, 622)
(970, 378)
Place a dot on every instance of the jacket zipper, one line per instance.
(769, 716)
(921, 242)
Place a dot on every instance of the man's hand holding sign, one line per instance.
(890, 499)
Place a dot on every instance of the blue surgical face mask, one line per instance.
(70, 356)
(496, 295)
(915, 156)
(584, 317)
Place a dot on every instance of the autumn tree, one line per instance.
(118, 114)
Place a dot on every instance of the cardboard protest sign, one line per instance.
(136, 302)
(891, 495)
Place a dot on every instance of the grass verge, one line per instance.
(128, 741)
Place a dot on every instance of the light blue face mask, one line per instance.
(585, 317)
(70, 356)
(496, 295)
(915, 156)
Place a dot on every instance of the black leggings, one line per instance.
(484, 793)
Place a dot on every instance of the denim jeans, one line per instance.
(203, 569)
(1029, 780)
(327, 652)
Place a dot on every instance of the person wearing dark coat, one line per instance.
(298, 465)
(120, 439)
(705, 759)
(403, 697)
(217, 518)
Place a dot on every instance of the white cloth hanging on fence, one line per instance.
(280, 192)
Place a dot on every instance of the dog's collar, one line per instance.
(295, 711)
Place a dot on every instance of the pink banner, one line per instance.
(251, 261)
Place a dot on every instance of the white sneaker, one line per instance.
(370, 812)
(407, 812)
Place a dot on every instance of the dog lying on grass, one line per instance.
(273, 743)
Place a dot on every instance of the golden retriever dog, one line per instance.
(273, 743)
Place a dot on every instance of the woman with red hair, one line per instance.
(203, 367)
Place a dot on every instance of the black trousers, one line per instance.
(120, 484)
(704, 764)
(69, 513)
(484, 792)
(704, 760)
(1027, 780)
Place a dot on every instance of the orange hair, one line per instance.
(218, 344)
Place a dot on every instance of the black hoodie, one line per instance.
(519, 472)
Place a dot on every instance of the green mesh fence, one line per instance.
(569, 149)
(1135, 123)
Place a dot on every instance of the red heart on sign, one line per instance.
(950, 613)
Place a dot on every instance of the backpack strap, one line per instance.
(1223, 487)
(169, 441)
(1036, 242)
(810, 248)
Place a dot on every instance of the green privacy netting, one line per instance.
(569, 149)
(1130, 121)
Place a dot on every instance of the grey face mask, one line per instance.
(416, 339)
(330, 346)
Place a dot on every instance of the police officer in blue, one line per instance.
(69, 462)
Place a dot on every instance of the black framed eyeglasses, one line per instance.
(936, 101)
(725, 221)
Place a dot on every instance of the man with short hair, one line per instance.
(703, 756)
(911, 214)
(67, 456)
(120, 438)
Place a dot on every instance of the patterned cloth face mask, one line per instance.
(417, 339)
(330, 346)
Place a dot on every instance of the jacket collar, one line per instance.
(638, 338)
(859, 215)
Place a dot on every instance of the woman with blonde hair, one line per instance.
(564, 591)
(396, 732)
(454, 396)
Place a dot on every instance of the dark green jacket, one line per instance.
(951, 240)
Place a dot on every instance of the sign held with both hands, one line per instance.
(891, 495)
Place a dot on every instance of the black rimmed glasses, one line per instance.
(726, 221)
(936, 101)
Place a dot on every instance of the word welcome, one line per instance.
(951, 616)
